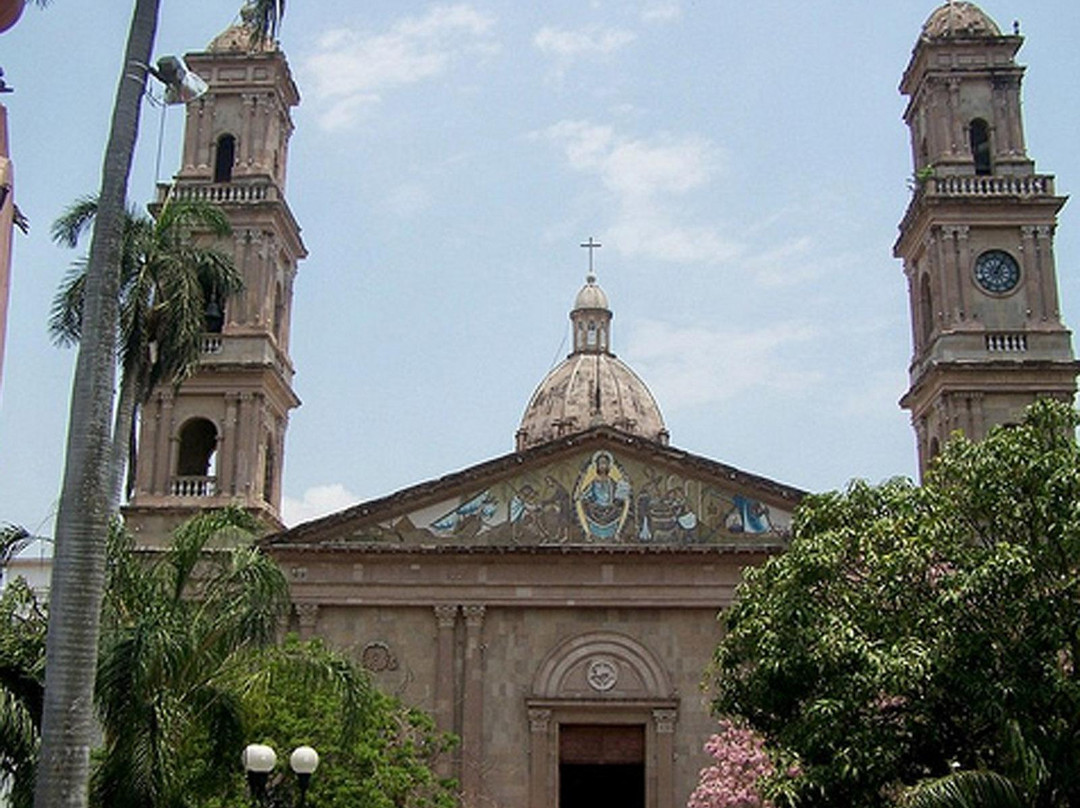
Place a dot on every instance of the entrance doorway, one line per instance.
(601, 764)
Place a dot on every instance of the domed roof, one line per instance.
(591, 296)
(591, 387)
(237, 38)
(959, 19)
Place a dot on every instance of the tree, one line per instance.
(737, 777)
(373, 751)
(83, 516)
(22, 664)
(167, 280)
(910, 633)
(174, 630)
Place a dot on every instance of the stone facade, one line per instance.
(519, 641)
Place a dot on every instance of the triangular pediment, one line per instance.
(601, 487)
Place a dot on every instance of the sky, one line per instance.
(744, 166)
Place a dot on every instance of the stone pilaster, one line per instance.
(472, 720)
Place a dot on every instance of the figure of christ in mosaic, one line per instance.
(602, 497)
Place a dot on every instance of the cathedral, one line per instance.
(556, 607)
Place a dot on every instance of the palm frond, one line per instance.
(13, 540)
(264, 17)
(966, 789)
(74, 221)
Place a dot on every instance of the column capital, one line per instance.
(308, 614)
(664, 718)
(446, 614)
(474, 614)
(539, 719)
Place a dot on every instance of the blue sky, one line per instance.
(743, 164)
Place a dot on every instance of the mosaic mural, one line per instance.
(594, 499)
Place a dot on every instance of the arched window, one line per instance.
(214, 314)
(980, 146)
(269, 480)
(279, 313)
(223, 161)
(926, 309)
(198, 447)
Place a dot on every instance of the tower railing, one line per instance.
(990, 186)
(1005, 342)
(219, 193)
(193, 486)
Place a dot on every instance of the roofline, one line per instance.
(433, 490)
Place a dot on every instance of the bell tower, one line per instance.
(977, 240)
(219, 437)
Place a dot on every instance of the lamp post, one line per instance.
(304, 760)
(259, 760)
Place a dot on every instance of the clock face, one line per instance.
(997, 271)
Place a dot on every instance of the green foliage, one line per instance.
(909, 632)
(174, 629)
(22, 677)
(190, 672)
(167, 278)
(373, 750)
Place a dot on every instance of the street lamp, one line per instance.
(259, 760)
(304, 760)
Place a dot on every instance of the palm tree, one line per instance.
(22, 669)
(175, 630)
(78, 570)
(1024, 782)
(167, 280)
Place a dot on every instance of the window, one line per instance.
(926, 309)
(980, 146)
(223, 161)
(198, 447)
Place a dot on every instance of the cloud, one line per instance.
(350, 71)
(644, 179)
(566, 46)
(317, 501)
(693, 366)
(661, 11)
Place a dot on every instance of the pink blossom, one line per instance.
(740, 764)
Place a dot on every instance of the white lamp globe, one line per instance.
(304, 760)
(259, 758)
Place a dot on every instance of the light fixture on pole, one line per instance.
(260, 760)
(304, 760)
(181, 84)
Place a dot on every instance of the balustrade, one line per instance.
(1006, 343)
(193, 486)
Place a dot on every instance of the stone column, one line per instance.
(664, 724)
(163, 462)
(308, 614)
(540, 786)
(963, 267)
(472, 716)
(1045, 234)
(445, 618)
(1030, 269)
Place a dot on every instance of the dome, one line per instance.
(591, 387)
(237, 38)
(591, 296)
(960, 19)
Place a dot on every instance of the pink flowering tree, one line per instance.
(736, 778)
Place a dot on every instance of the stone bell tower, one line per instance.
(977, 240)
(219, 437)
